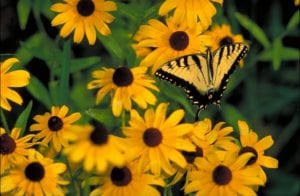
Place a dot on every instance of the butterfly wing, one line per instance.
(191, 73)
(224, 62)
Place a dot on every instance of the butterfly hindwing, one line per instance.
(204, 78)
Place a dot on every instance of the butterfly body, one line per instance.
(204, 77)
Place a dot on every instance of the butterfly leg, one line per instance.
(197, 114)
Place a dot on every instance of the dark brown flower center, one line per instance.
(121, 176)
(99, 135)
(35, 171)
(190, 156)
(179, 40)
(222, 175)
(55, 123)
(253, 159)
(7, 144)
(85, 7)
(123, 76)
(152, 137)
(226, 41)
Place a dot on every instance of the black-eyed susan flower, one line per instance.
(54, 126)
(251, 143)
(96, 148)
(83, 17)
(12, 79)
(204, 138)
(169, 40)
(222, 35)
(156, 140)
(34, 175)
(13, 147)
(126, 85)
(127, 180)
(223, 176)
(193, 11)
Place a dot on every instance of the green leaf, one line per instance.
(294, 21)
(39, 91)
(133, 13)
(23, 7)
(254, 29)
(23, 118)
(174, 93)
(276, 60)
(79, 89)
(83, 63)
(103, 115)
(65, 74)
(231, 114)
(286, 54)
(282, 183)
(40, 46)
(45, 8)
(112, 46)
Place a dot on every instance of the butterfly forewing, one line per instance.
(224, 61)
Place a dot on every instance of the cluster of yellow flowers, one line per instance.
(156, 148)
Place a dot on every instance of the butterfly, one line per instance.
(204, 77)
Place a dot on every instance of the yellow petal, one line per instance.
(7, 64)
(117, 103)
(4, 104)
(79, 32)
(14, 96)
(90, 32)
(269, 162)
(160, 114)
(173, 119)
(17, 78)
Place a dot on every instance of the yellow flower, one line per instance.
(54, 126)
(193, 11)
(297, 2)
(228, 176)
(96, 147)
(83, 17)
(222, 35)
(156, 140)
(163, 42)
(128, 180)
(203, 138)
(8, 80)
(251, 143)
(127, 84)
(34, 176)
(207, 139)
(12, 147)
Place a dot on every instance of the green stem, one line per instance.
(39, 23)
(168, 191)
(4, 121)
(71, 176)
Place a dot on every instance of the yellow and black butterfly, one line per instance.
(204, 77)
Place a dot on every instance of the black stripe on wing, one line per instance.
(192, 93)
